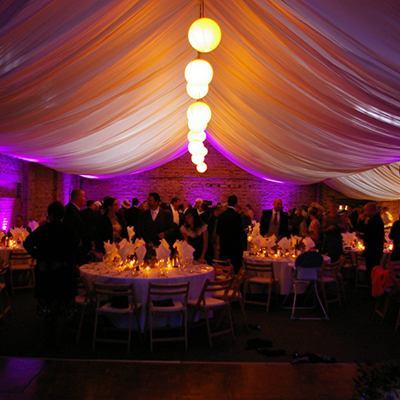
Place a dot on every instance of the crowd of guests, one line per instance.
(215, 232)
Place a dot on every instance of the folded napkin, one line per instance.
(140, 252)
(284, 244)
(139, 242)
(163, 252)
(131, 232)
(259, 241)
(256, 229)
(295, 240)
(309, 243)
(33, 225)
(126, 248)
(270, 243)
(184, 249)
(19, 233)
(110, 248)
(348, 238)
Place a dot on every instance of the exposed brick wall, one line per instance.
(28, 188)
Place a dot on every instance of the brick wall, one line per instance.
(28, 188)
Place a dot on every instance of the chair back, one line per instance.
(265, 268)
(237, 283)
(20, 258)
(209, 286)
(332, 269)
(308, 265)
(223, 269)
(115, 294)
(159, 290)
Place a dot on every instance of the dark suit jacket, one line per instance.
(104, 231)
(230, 232)
(148, 229)
(132, 216)
(374, 236)
(283, 223)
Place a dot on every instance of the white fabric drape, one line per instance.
(303, 91)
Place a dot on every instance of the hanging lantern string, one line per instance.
(201, 4)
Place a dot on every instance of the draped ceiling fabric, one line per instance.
(303, 91)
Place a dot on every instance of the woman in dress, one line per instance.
(195, 232)
(314, 229)
(54, 246)
(332, 228)
(110, 227)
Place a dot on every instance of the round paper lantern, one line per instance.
(200, 136)
(204, 151)
(198, 73)
(204, 35)
(197, 127)
(197, 159)
(196, 92)
(199, 112)
(195, 147)
(201, 167)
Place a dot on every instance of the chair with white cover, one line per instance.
(120, 301)
(21, 261)
(307, 269)
(223, 269)
(235, 294)
(261, 275)
(206, 303)
(166, 300)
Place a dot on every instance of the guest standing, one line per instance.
(110, 227)
(314, 229)
(194, 231)
(395, 236)
(371, 225)
(132, 215)
(53, 245)
(229, 229)
(275, 221)
(332, 228)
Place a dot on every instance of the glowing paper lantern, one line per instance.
(199, 112)
(204, 151)
(196, 92)
(199, 73)
(204, 35)
(200, 136)
(197, 159)
(197, 127)
(195, 147)
(201, 167)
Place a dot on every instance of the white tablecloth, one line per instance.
(198, 275)
(282, 270)
(5, 253)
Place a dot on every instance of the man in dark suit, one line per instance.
(91, 216)
(230, 232)
(132, 214)
(275, 221)
(371, 225)
(74, 218)
(155, 223)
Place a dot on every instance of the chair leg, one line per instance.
(78, 335)
(324, 294)
(130, 332)
(231, 321)
(95, 330)
(241, 302)
(269, 297)
(185, 318)
(150, 319)
(320, 302)
(208, 328)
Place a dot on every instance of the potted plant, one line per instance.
(379, 381)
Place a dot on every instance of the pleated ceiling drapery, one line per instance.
(303, 91)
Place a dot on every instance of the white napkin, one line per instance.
(125, 248)
(348, 238)
(110, 248)
(309, 243)
(33, 225)
(140, 252)
(131, 232)
(139, 242)
(184, 249)
(284, 244)
(19, 233)
(295, 240)
(259, 241)
(256, 229)
(270, 243)
(163, 252)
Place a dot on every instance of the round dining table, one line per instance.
(195, 274)
(283, 267)
(5, 253)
